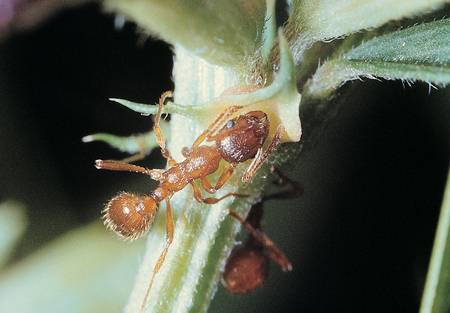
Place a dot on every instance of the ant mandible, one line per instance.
(248, 267)
(239, 139)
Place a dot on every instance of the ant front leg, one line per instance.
(158, 132)
(211, 129)
(259, 160)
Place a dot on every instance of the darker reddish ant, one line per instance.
(248, 267)
(238, 140)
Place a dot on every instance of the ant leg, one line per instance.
(119, 166)
(225, 175)
(297, 188)
(212, 128)
(206, 184)
(272, 249)
(158, 132)
(136, 157)
(198, 196)
(169, 239)
(259, 160)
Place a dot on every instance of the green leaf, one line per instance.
(324, 20)
(221, 32)
(131, 144)
(419, 52)
(437, 287)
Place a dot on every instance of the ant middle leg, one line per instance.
(198, 196)
(206, 183)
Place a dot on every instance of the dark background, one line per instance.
(359, 238)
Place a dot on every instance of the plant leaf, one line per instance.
(419, 52)
(312, 20)
(437, 287)
(221, 32)
(131, 144)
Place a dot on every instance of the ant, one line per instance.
(239, 139)
(248, 267)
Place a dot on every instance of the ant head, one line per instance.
(129, 215)
(246, 270)
(240, 139)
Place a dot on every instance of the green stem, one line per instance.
(203, 233)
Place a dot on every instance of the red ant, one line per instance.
(239, 139)
(248, 267)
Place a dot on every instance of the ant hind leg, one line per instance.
(169, 238)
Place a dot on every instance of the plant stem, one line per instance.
(203, 235)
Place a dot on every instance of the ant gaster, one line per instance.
(239, 139)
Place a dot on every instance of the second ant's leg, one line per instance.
(272, 249)
(259, 160)
(198, 196)
(159, 135)
(296, 191)
(169, 238)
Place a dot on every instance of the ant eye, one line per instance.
(230, 124)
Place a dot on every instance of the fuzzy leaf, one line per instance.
(331, 19)
(420, 52)
(312, 20)
(221, 32)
